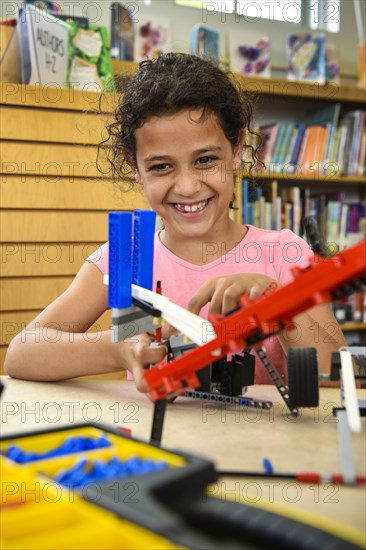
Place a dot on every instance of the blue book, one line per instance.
(297, 146)
(245, 211)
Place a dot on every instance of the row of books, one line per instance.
(324, 144)
(272, 208)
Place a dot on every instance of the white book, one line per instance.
(43, 47)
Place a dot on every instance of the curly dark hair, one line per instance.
(171, 83)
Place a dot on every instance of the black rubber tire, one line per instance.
(303, 381)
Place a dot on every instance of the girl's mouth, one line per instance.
(191, 208)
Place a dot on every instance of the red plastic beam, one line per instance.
(257, 319)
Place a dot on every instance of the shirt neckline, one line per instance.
(195, 267)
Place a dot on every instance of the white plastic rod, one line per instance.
(350, 396)
(197, 329)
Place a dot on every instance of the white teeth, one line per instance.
(193, 208)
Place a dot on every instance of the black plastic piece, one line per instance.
(314, 237)
(303, 382)
(335, 366)
(158, 421)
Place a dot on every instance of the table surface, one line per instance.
(234, 438)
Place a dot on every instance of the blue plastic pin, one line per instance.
(267, 465)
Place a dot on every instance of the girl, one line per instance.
(181, 127)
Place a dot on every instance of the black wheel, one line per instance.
(303, 382)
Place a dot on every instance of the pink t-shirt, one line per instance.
(273, 253)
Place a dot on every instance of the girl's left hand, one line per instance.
(224, 292)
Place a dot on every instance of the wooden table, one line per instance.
(233, 437)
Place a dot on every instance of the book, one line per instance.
(43, 43)
(327, 116)
(64, 53)
(353, 122)
(339, 151)
(356, 142)
(273, 199)
(268, 135)
(343, 227)
(333, 222)
(249, 53)
(245, 198)
(332, 68)
(294, 194)
(362, 156)
(290, 147)
(322, 115)
(122, 31)
(254, 200)
(312, 155)
(317, 210)
(205, 42)
(152, 37)
(295, 152)
(277, 145)
(306, 57)
(361, 64)
(284, 146)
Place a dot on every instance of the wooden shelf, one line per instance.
(302, 90)
(55, 97)
(316, 178)
(277, 86)
(353, 326)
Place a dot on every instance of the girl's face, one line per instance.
(186, 166)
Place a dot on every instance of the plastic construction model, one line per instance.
(136, 308)
(322, 281)
(227, 380)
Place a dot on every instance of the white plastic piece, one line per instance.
(345, 448)
(198, 330)
(350, 396)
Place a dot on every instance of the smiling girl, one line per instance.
(181, 128)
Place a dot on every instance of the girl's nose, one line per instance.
(187, 184)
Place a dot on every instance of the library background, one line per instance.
(302, 62)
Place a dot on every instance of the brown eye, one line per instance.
(158, 167)
(206, 160)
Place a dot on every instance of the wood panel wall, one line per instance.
(54, 201)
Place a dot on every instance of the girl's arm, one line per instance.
(55, 345)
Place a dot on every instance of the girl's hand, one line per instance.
(136, 353)
(224, 292)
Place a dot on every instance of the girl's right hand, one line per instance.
(137, 353)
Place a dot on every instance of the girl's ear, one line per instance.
(137, 175)
(134, 173)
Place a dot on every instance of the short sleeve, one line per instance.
(100, 258)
